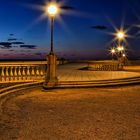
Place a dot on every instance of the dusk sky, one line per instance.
(74, 37)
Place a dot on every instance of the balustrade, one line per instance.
(26, 71)
(105, 66)
(20, 73)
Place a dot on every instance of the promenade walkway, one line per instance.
(71, 114)
(72, 72)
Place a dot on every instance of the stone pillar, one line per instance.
(51, 76)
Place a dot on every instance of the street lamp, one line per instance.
(120, 49)
(124, 58)
(51, 79)
(52, 11)
(121, 54)
(120, 35)
(124, 55)
(113, 51)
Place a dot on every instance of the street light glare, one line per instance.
(113, 50)
(124, 55)
(120, 35)
(120, 48)
(52, 9)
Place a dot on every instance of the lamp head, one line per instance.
(120, 35)
(120, 48)
(113, 51)
(124, 55)
(52, 10)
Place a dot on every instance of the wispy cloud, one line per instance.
(99, 27)
(5, 45)
(18, 43)
(28, 46)
(39, 54)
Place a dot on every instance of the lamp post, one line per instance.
(113, 51)
(51, 79)
(120, 53)
(52, 11)
(120, 35)
(124, 57)
(120, 49)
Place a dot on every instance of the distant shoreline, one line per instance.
(7, 60)
(10, 60)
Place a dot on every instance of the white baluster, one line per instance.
(28, 73)
(41, 71)
(15, 73)
(33, 71)
(37, 71)
(23, 73)
(7, 74)
(19, 73)
(11, 73)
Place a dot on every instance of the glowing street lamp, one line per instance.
(121, 54)
(124, 58)
(113, 51)
(121, 35)
(124, 55)
(120, 48)
(52, 10)
(51, 79)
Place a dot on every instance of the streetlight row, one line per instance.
(119, 51)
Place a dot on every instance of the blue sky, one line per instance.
(74, 37)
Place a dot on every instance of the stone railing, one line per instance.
(24, 71)
(105, 66)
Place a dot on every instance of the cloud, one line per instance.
(5, 45)
(39, 54)
(28, 46)
(17, 43)
(13, 42)
(11, 50)
(12, 39)
(99, 27)
(26, 51)
(23, 54)
(65, 7)
(11, 34)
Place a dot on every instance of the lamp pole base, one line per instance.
(51, 80)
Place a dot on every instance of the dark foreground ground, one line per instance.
(72, 114)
